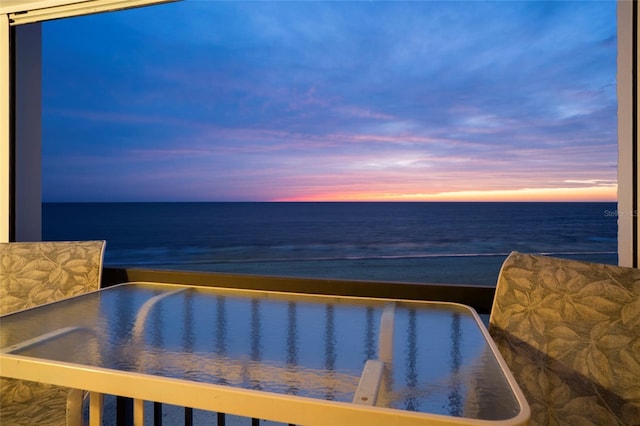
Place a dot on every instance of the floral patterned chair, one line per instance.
(33, 273)
(570, 333)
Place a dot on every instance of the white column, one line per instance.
(5, 184)
(636, 139)
(628, 161)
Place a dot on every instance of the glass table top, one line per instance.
(436, 357)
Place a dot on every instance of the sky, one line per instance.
(332, 101)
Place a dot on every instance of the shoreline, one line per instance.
(453, 269)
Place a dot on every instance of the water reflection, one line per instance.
(455, 399)
(187, 333)
(329, 348)
(221, 334)
(157, 336)
(255, 330)
(369, 336)
(455, 371)
(292, 347)
(255, 339)
(412, 403)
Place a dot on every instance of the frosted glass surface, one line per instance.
(306, 346)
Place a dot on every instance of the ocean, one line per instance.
(461, 243)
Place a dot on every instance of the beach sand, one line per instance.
(470, 270)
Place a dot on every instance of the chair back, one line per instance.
(570, 333)
(31, 274)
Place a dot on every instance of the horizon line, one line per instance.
(323, 201)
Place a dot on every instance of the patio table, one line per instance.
(294, 358)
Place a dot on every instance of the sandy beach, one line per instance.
(470, 270)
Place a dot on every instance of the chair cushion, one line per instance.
(570, 333)
(33, 273)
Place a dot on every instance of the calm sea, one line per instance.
(410, 242)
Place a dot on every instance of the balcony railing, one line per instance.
(478, 297)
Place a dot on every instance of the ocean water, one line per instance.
(405, 242)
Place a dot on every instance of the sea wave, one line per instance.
(143, 259)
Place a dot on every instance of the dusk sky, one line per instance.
(332, 101)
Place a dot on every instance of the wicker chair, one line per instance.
(570, 333)
(33, 273)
